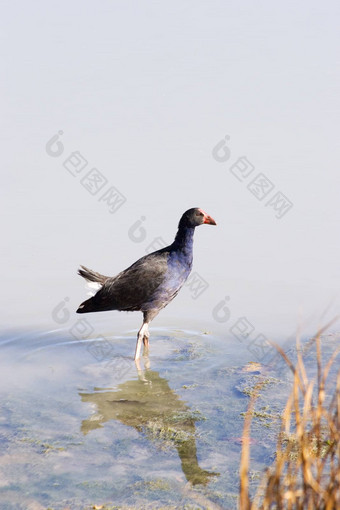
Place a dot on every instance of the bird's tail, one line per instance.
(92, 276)
(94, 282)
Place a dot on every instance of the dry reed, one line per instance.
(306, 472)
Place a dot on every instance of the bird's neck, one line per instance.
(184, 240)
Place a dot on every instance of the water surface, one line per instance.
(82, 425)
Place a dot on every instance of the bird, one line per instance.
(152, 282)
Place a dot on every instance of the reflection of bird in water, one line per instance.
(152, 407)
(151, 282)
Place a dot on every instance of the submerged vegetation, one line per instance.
(306, 471)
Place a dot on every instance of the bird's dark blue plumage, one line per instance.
(152, 282)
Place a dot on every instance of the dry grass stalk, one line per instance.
(306, 471)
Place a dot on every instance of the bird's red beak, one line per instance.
(208, 219)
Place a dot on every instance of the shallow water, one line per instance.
(82, 425)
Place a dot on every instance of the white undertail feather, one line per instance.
(92, 287)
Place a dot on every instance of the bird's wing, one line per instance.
(136, 285)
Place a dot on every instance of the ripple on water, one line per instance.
(93, 427)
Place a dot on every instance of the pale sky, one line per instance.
(144, 91)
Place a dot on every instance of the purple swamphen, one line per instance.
(151, 282)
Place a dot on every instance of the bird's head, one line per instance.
(195, 217)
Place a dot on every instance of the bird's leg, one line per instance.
(146, 337)
(139, 368)
(143, 333)
(140, 338)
